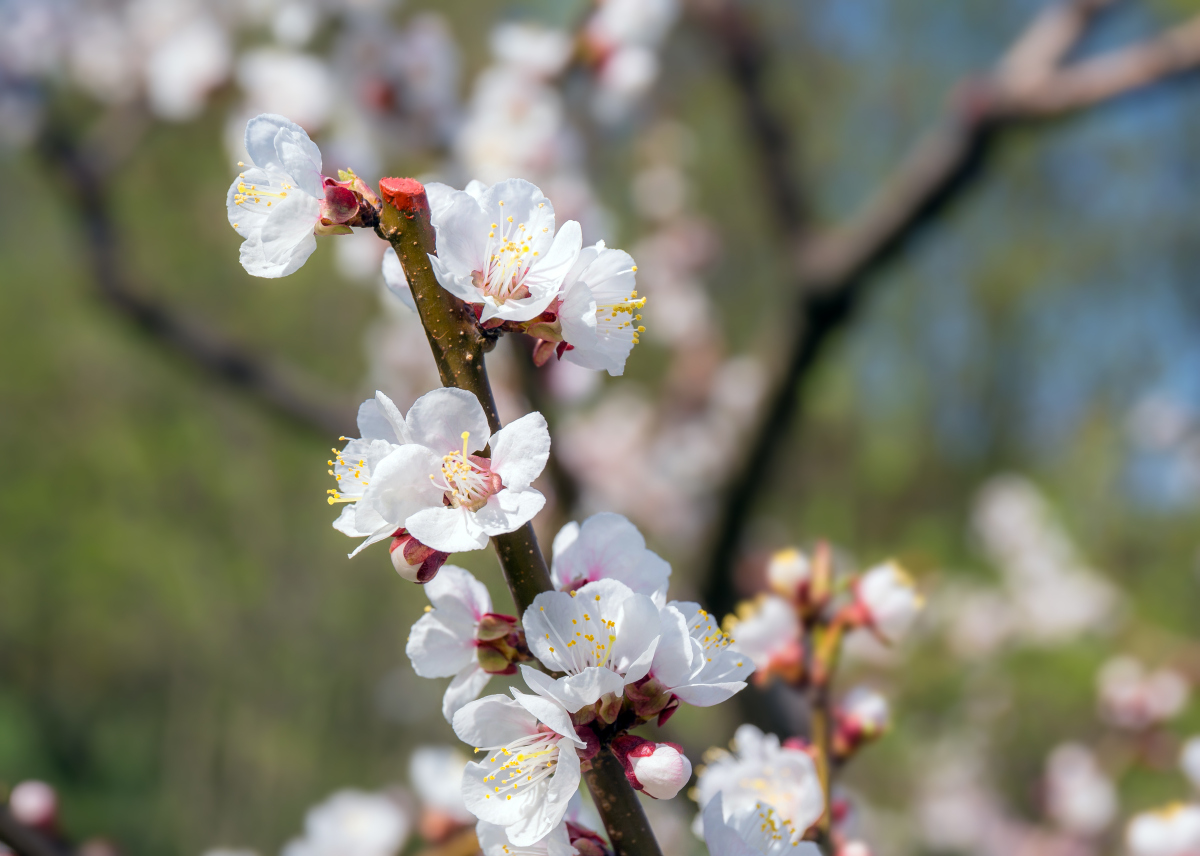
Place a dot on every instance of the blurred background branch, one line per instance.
(836, 268)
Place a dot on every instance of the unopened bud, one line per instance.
(413, 560)
(863, 715)
(586, 842)
(789, 573)
(494, 661)
(493, 625)
(657, 769)
(34, 803)
(648, 697)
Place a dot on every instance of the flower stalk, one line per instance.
(458, 344)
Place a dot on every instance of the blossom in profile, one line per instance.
(529, 769)
(353, 823)
(438, 487)
(600, 313)
(1172, 831)
(460, 637)
(607, 547)
(863, 714)
(601, 636)
(752, 830)
(395, 280)
(889, 601)
(282, 202)
(768, 632)
(497, 249)
(693, 663)
(759, 769)
(382, 430)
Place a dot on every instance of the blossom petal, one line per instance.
(706, 695)
(462, 227)
(286, 239)
(438, 649)
(509, 510)
(458, 599)
(554, 266)
(451, 530)
(548, 812)
(493, 721)
(300, 158)
(565, 538)
(465, 688)
(551, 715)
(400, 485)
(260, 138)
(437, 420)
(520, 450)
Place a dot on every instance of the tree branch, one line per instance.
(458, 346)
(272, 384)
(834, 270)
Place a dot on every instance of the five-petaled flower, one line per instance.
(459, 636)
(497, 248)
(600, 313)
(530, 766)
(603, 636)
(436, 485)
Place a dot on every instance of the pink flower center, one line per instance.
(468, 480)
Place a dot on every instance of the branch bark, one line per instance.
(619, 806)
(834, 270)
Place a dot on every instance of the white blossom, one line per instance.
(890, 600)
(607, 546)
(865, 712)
(600, 309)
(395, 280)
(182, 69)
(437, 487)
(694, 660)
(498, 249)
(276, 203)
(529, 772)
(1173, 831)
(760, 769)
(603, 636)
(352, 823)
(1131, 696)
(768, 632)
(752, 830)
(442, 643)
(383, 430)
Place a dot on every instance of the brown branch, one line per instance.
(458, 346)
(268, 382)
(834, 270)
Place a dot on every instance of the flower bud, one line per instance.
(648, 697)
(586, 842)
(889, 601)
(35, 804)
(863, 715)
(493, 625)
(413, 560)
(789, 573)
(659, 770)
